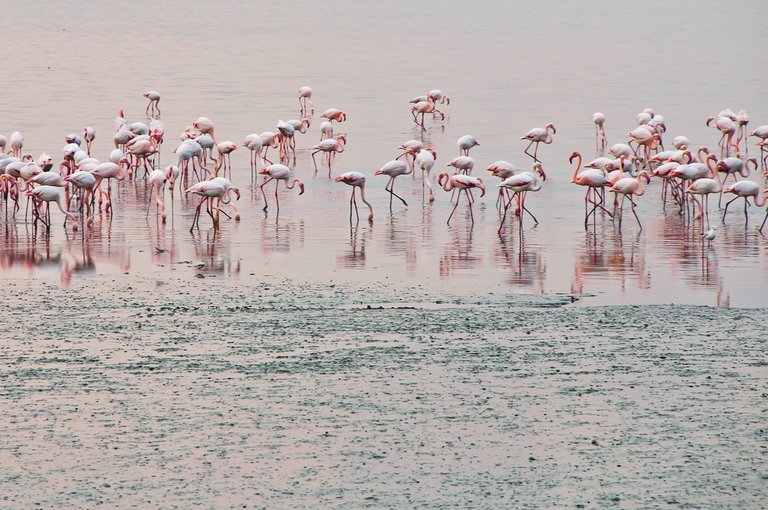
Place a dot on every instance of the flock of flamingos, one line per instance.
(689, 176)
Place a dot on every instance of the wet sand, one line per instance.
(189, 392)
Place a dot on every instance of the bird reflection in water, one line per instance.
(214, 253)
(457, 253)
(526, 266)
(607, 254)
(281, 237)
(400, 241)
(354, 257)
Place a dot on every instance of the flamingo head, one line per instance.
(645, 175)
(301, 187)
(434, 154)
(552, 127)
(710, 119)
(482, 187)
(341, 117)
(342, 138)
(378, 172)
(442, 177)
(540, 169)
(574, 155)
(264, 171)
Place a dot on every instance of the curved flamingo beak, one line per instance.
(264, 171)
(301, 188)
(339, 178)
(237, 192)
(482, 190)
(378, 172)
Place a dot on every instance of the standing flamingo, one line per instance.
(108, 171)
(210, 191)
(157, 179)
(463, 183)
(334, 114)
(465, 143)
(253, 143)
(437, 96)
(521, 184)
(277, 173)
(593, 180)
(537, 136)
(727, 127)
(17, 143)
(49, 194)
(331, 146)
(225, 149)
(205, 126)
(89, 134)
(761, 132)
(153, 108)
(630, 187)
(422, 108)
(393, 169)
(305, 98)
(599, 119)
(704, 187)
(425, 159)
(356, 180)
(745, 189)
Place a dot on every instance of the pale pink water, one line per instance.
(506, 69)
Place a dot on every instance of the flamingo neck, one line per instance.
(576, 170)
(362, 197)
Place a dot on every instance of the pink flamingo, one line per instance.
(593, 180)
(465, 143)
(157, 179)
(521, 184)
(49, 194)
(394, 169)
(210, 191)
(305, 98)
(437, 96)
(153, 108)
(630, 187)
(745, 189)
(279, 173)
(356, 180)
(334, 114)
(422, 108)
(331, 146)
(727, 127)
(599, 119)
(537, 136)
(89, 134)
(463, 183)
(224, 161)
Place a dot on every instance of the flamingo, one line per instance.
(422, 108)
(356, 180)
(645, 137)
(425, 159)
(761, 132)
(207, 142)
(285, 135)
(393, 169)
(86, 182)
(153, 108)
(205, 126)
(593, 180)
(49, 194)
(17, 143)
(187, 151)
(742, 119)
(254, 144)
(305, 98)
(521, 184)
(502, 169)
(630, 187)
(334, 114)
(537, 136)
(705, 187)
(681, 142)
(89, 134)
(465, 143)
(332, 146)
(437, 96)
(727, 127)
(463, 183)
(108, 171)
(599, 119)
(225, 149)
(277, 173)
(410, 148)
(74, 138)
(326, 130)
(746, 189)
(268, 139)
(157, 179)
(210, 190)
(462, 164)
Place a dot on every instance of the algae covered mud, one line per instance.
(183, 392)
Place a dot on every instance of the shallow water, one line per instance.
(294, 361)
(507, 70)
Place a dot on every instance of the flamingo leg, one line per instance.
(263, 194)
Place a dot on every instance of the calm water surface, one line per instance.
(507, 69)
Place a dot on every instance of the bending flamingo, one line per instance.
(279, 173)
(394, 169)
(356, 180)
(462, 183)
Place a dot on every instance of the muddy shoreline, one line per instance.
(204, 392)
